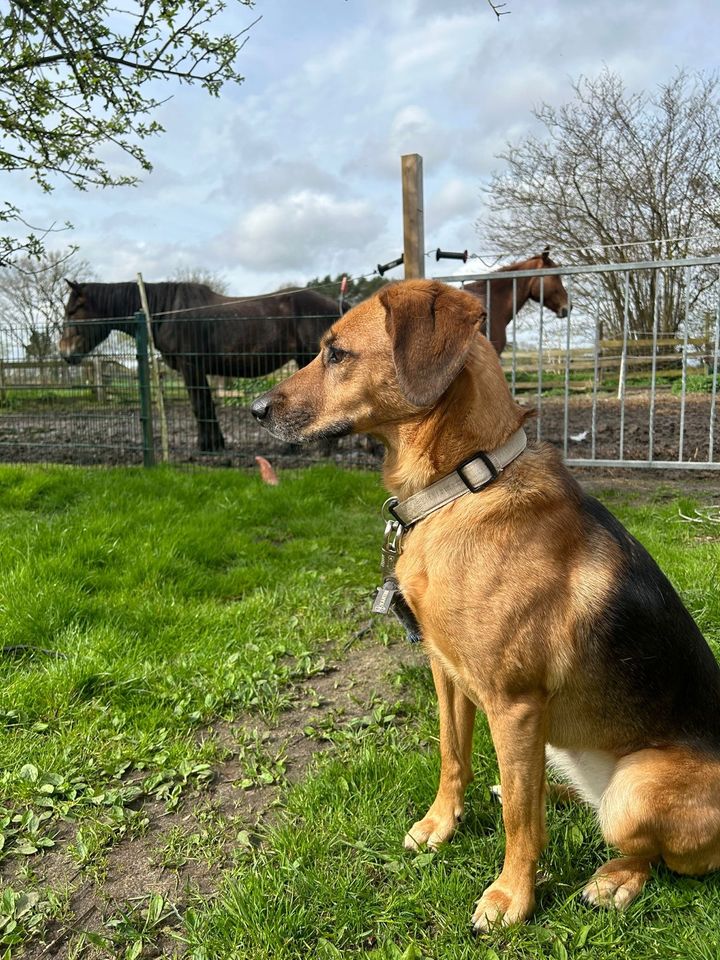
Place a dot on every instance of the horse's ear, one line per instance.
(431, 327)
(74, 286)
(546, 255)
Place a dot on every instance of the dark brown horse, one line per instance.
(201, 333)
(548, 290)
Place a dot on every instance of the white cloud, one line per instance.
(293, 232)
(274, 179)
(456, 198)
(298, 170)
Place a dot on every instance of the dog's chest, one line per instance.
(445, 590)
(482, 606)
(444, 573)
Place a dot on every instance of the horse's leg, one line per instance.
(210, 436)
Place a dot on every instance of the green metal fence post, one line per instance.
(146, 422)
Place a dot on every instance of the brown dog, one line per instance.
(534, 604)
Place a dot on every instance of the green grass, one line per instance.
(697, 383)
(146, 605)
(15, 400)
(37, 399)
(581, 382)
(135, 607)
(331, 878)
(247, 388)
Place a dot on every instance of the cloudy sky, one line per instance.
(296, 172)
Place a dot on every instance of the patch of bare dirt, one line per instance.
(186, 850)
(111, 434)
(634, 427)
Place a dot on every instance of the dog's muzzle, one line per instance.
(271, 412)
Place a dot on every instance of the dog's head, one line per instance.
(387, 359)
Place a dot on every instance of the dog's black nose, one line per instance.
(260, 408)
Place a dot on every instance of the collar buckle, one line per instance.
(475, 487)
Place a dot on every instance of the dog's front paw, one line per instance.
(500, 906)
(436, 828)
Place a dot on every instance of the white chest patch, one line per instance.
(589, 771)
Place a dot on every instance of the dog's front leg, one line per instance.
(518, 727)
(457, 716)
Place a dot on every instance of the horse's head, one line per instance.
(81, 334)
(549, 290)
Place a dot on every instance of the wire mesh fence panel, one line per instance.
(117, 389)
(55, 412)
(208, 418)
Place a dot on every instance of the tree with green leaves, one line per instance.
(356, 290)
(79, 75)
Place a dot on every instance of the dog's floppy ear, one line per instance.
(431, 327)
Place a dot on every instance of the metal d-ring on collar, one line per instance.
(391, 550)
(394, 527)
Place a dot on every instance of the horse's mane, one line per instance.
(521, 264)
(123, 299)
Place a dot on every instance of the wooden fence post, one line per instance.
(98, 386)
(155, 370)
(413, 216)
(146, 423)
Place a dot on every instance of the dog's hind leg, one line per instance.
(457, 718)
(617, 882)
(660, 804)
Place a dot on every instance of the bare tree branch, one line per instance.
(497, 8)
(612, 168)
(32, 302)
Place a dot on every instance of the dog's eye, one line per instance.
(335, 355)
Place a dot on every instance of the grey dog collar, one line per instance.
(469, 477)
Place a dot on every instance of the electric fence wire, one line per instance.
(489, 260)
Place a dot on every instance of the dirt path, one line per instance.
(185, 851)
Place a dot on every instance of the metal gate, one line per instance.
(630, 377)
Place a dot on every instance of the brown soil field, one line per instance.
(111, 434)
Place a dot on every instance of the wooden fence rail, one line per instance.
(98, 373)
